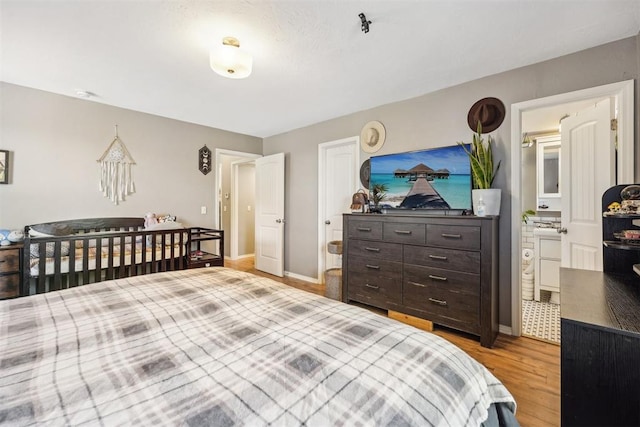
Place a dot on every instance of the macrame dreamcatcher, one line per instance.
(116, 180)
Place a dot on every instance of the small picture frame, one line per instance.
(4, 167)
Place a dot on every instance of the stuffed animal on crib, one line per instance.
(150, 219)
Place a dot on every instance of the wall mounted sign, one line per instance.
(116, 180)
(204, 160)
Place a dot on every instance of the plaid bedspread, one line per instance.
(220, 347)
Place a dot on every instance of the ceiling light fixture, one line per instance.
(229, 60)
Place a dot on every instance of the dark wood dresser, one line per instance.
(600, 348)
(10, 270)
(440, 268)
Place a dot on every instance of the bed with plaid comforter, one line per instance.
(219, 347)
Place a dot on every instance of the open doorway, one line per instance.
(540, 119)
(234, 200)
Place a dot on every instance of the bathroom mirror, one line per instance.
(548, 170)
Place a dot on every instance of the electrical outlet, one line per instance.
(203, 210)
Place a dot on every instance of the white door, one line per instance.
(338, 181)
(587, 170)
(269, 247)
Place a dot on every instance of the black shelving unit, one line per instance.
(621, 256)
(197, 258)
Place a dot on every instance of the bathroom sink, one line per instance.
(540, 231)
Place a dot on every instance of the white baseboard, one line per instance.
(504, 329)
(300, 277)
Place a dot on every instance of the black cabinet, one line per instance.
(600, 349)
(440, 268)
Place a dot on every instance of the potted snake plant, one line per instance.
(483, 173)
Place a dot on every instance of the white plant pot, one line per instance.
(491, 199)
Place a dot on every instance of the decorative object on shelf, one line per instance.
(359, 201)
(483, 173)
(365, 173)
(630, 192)
(372, 136)
(204, 160)
(116, 179)
(613, 208)
(487, 114)
(364, 23)
(228, 60)
(4, 237)
(4, 167)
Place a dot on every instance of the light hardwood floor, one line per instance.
(529, 368)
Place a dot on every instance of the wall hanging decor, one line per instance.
(116, 180)
(204, 160)
(4, 167)
(372, 136)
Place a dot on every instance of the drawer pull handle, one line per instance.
(452, 236)
(417, 284)
(372, 249)
(364, 229)
(431, 276)
(375, 267)
(438, 257)
(403, 231)
(372, 286)
(438, 301)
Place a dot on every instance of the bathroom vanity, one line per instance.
(547, 246)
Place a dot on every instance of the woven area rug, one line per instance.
(541, 319)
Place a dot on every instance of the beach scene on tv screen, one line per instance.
(438, 178)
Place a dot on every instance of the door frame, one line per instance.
(219, 153)
(624, 94)
(322, 163)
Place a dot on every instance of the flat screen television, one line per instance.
(431, 181)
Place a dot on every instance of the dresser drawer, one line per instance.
(417, 277)
(9, 285)
(378, 291)
(9, 260)
(450, 259)
(375, 250)
(399, 232)
(374, 267)
(453, 236)
(371, 230)
(443, 304)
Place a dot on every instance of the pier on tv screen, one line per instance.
(436, 178)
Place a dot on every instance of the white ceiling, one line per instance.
(311, 60)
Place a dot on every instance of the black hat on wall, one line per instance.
(489, 112)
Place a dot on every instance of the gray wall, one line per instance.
(437, 119)
(55, 141)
